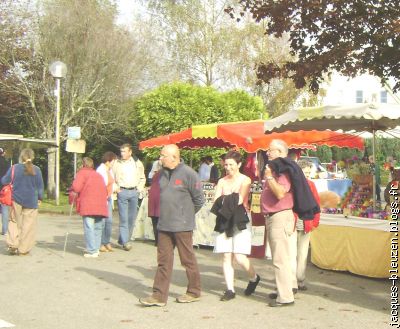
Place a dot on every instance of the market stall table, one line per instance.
(358, 245)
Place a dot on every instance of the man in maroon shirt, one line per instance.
(277, 203)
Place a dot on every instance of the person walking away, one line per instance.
(234, 241)
(90, 193)
(4, 165)
(27, 195)
(181, 197)
(130, 179)
(105, 170)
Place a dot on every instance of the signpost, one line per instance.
(74, 143)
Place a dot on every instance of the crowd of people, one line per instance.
(289, 203)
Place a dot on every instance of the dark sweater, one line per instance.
(304, 203)
(181, 196)
(27, 190)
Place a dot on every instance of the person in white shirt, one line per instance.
(130, 180)
(105, 170)
(204, 170)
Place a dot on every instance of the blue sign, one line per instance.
(74, 132)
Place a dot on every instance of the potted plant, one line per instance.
(360, 173)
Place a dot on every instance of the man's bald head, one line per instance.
(170, 156)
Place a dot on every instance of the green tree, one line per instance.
(350, 37)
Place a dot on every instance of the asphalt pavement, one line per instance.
(48, 289)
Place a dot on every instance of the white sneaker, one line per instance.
(94, 255)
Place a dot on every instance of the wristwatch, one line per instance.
(269, 177)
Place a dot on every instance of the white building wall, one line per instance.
(343, 90)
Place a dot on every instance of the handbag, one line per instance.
(6, 191)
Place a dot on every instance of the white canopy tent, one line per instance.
(359, 117)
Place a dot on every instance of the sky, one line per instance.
(126, 9)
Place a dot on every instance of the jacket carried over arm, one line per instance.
(229, 214)
(304, 203)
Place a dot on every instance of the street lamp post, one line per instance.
(58, 70)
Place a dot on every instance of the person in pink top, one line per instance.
(276, 204)
(90, 193)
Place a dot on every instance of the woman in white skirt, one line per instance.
(237, 244)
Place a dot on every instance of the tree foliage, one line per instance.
(351, 37)
(200, 37)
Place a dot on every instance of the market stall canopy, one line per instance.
(249, 136)
(359, 117)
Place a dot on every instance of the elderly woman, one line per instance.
(27, 194)
(90, 193)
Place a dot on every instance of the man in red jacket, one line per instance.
(91, 203)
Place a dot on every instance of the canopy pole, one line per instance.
(373, 172)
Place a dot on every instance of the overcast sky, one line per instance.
(126, 10)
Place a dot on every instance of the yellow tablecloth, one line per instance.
(343, 247)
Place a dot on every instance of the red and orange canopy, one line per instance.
(250, 136)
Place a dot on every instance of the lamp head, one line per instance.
(58, 69)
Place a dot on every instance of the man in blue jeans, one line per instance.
(4, 165)
(130, 181)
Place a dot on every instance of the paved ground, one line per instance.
(45, 290)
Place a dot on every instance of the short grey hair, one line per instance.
(281, 146)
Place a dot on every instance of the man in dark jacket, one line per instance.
(181, 197)
(4, 165)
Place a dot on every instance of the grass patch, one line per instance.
(48, 205)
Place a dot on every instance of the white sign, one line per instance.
(74, 132)
(75, 145)
(257, 235)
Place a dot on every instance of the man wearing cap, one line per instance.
(130, 179)
(4, 165)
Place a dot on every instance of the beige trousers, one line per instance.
(22, 228)
(300, 243)
(280, 228)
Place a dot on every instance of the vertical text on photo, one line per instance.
(394, 255)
